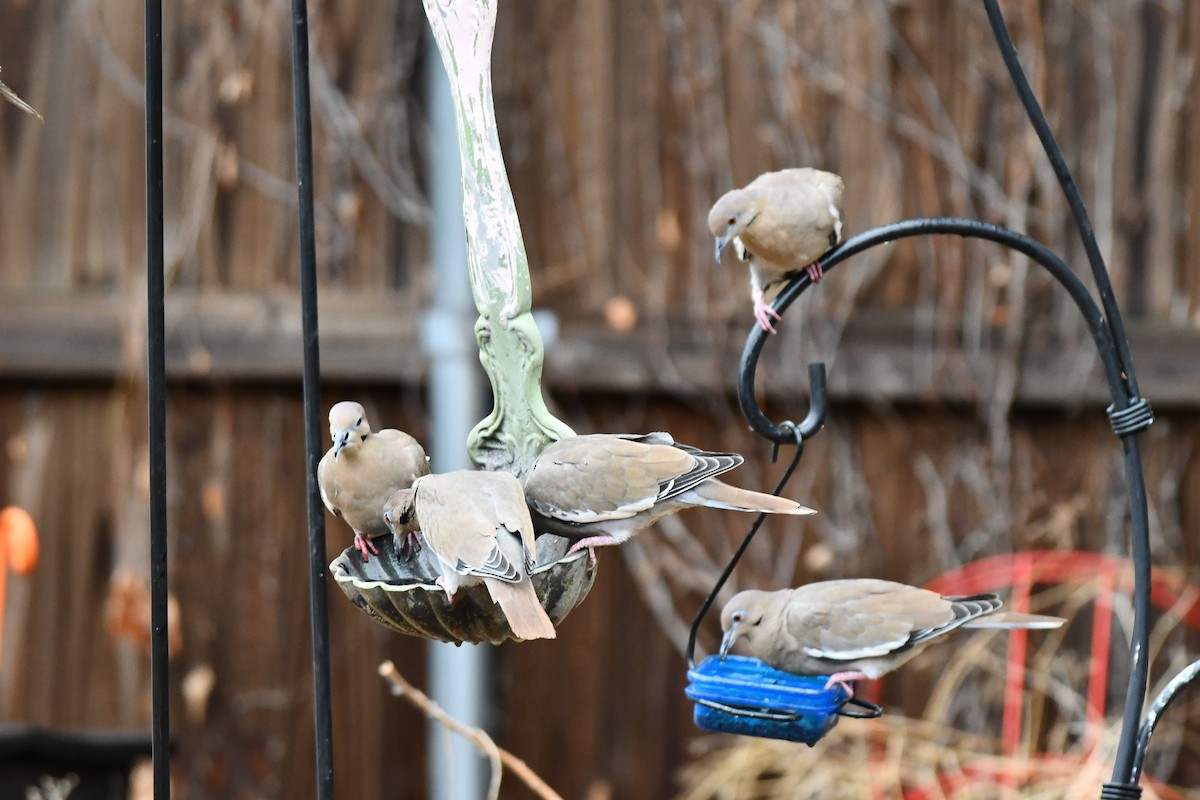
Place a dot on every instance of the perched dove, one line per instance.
(478, 526)
(604, 488)
(781, 223)
(362, 469)
(856, 628)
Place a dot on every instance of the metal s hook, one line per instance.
(786, 432)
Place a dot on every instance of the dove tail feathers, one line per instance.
(1012, 619)
(522, 609)
(715, 494)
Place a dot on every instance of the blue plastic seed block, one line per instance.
(743, 695)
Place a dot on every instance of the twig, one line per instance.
(496, 754)
(12, 97)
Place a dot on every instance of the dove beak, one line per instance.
(727, 641)
(722, 240)
(339, 444)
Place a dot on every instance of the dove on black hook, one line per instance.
(855, 629)
(780, 223)
(361, 471)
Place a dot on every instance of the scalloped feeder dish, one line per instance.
(744, 696)
(402, 595)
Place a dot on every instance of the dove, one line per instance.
(478, 526)
(362, 469)
(855, 629)
(781, 223)
(604, 488)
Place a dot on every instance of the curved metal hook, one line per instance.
(969, 228)
(1185, 678)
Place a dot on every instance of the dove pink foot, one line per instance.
(591, 543)
(441, 582)
(845, 680)
(363, 543)
(815, 272)
(764, 313)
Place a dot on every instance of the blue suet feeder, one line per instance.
(744, 696)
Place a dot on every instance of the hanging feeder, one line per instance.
(736, 694)
(402, 595)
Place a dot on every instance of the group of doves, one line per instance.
(602, 489)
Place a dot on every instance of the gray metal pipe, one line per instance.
(456, 674)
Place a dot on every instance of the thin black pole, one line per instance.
(1083, 223)
(156, 400)
(1124, 776)
(302, 109)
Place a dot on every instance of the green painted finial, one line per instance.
(510, 346)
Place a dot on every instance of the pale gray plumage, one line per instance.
(780, 223)
(362, 469)
(855, 628)
(604, 488)
(478, 526)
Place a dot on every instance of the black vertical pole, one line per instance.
(156, 398)
(322, 710)
(1125, 768)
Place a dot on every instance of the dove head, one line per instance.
(347, 426)
(742, 617)
(729, 217)
(399, 512)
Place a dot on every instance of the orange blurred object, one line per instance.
(18, 537)
(18, 545)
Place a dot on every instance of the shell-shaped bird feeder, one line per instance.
(401, 594)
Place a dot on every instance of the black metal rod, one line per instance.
(318, 604)
(1186, 677)
(1041, 126)
(1135, 696)
(156, 406)
(968, 228)
(737, 555)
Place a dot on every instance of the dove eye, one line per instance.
(731, 220)
(737, 616)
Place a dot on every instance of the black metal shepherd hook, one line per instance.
(1128, 414)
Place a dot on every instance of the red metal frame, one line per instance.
(1021, 572)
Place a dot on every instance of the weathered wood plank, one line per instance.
(373, 339)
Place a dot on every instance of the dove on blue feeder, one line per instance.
(855, 629)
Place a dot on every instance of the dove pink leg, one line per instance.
(815, 272)
(843, 679)
(763, 312)
(591, 543)
(363, 543)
